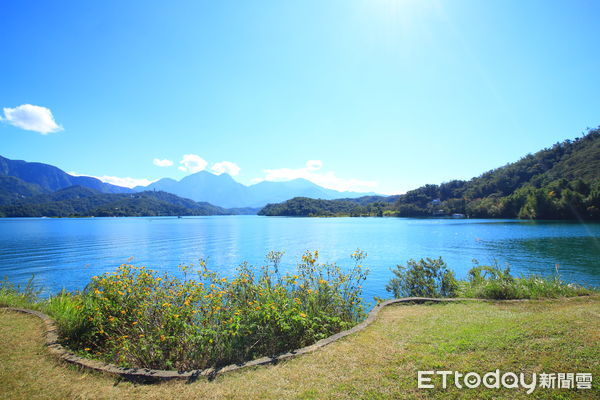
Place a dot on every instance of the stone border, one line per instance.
(152, 375)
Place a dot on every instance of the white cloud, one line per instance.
(227, 167)
(162, 163)
(314, 165)
(192, 163)
(309, 172)
(31, 118)
(126, 182)
(115, 180)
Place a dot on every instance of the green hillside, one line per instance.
(306, 207)
(14, 189)
(52, 178)
(81, 201)
(560, 182)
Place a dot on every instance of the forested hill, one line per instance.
(560, 182)
(306, 207)
(14, 189)
(51, 178)
(80, 201)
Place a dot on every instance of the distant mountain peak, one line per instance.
(223, 190)
(53, 178)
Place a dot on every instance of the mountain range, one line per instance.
(559, 182)
(224, 191)
(30, 182)
(51, 178)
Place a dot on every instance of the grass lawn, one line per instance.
(380, 362)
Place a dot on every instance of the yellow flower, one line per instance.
(162, 338)
(322, 281)
(134, 323)
(303, 315)
(87, 349)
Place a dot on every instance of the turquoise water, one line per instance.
(65, 253)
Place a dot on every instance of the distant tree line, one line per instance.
(560, 182)
(78, 201)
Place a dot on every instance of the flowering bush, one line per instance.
(138, 317)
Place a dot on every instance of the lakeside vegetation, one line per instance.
(432, 278)
(79, 201)
(379, 362)
(560, 182)
(137, 317)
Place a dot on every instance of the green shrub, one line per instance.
(140, 318)
(65, 308)
(492, 282)
(423, 278)
(431, 278)
(137, 317)
(16, 296)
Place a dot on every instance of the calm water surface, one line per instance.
(65, 253)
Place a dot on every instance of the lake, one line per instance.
(65, 253)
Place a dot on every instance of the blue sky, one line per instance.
(370, 95)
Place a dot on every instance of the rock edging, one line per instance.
(150, 375)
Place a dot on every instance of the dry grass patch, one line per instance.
(380, 362)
